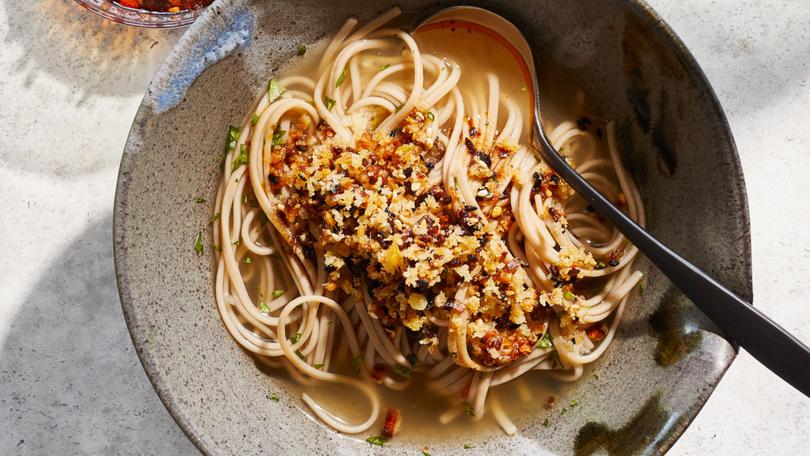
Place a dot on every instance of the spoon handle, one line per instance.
(765, 340)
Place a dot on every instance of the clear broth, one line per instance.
(524, 399)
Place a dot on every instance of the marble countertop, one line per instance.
(70, 381)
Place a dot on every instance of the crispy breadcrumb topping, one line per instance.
(405, 246)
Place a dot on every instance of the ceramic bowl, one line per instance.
(667, 357)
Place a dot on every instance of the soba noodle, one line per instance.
(275, 286)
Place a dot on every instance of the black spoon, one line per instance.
(775, 348)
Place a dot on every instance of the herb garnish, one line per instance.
(402, 371)
(467, 446)
(263, 307)
(568, 296)
(330, 103)
(302, 49)
(545, 341)
(254, 119)
(377, 440)
(295, 338)
(384, 67)
(300, 355)
(233, 137)
(241, 159)
(468, 409)
(274, 90)
(278, 137)
(431, 116)
(274, 397)
(357, 363)
(277, 293)
(247, 259)
(341, 78)
(199, 200)
(317, 366)
(199, 247)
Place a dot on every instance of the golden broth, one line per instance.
(524, 398)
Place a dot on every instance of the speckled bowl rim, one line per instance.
(666, 36)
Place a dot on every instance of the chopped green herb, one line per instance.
(431, 116)
(247, 259)
(213, 219)
(254, 119)
(233, 137)
(317, 366)
(545, 422)
(402, 371)
(302, 49)
(545, 341)
(263, 307)
(563, 411)
(555, 359)
(596, 376)
(357, 363)
(241, 159)
(277, 293)
(601, 265)
(274, 90)
(199, 200)
(468, 409)
(330, 103)
(216, 247)
(199, 247)
(467, 446)
(300, 355)
(377, 440)
(274, 397)
(295, 338)
(412, 359)
(573, 403)
(341, 78)
(425, 452)
(278, 137)
(384, 67)
(398, 108)
(642, 288)
(236, 242)
(568, 296)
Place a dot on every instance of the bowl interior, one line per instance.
(667, 357)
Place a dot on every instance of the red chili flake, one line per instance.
(595, 333)
(551, 402)
(491, 340)
(391, 424)
(378, 372)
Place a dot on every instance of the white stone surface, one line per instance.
(69, 87)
